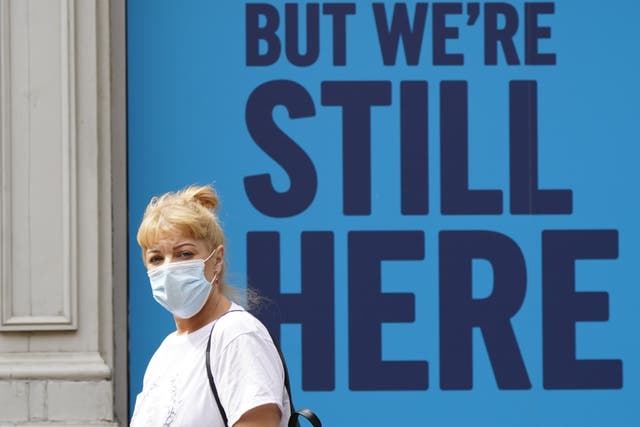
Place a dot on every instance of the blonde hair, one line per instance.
(191, 211)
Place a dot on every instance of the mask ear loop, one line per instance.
(211, 254)
(215, 275)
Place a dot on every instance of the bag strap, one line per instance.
(308, 414)
(212, 383)
(293, 420)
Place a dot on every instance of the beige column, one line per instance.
(56, 278)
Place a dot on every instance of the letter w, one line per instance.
(411, 34)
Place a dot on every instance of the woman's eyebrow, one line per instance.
(179, 245)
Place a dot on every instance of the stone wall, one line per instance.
(56, 257)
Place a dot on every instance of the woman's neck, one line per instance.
(216, 306)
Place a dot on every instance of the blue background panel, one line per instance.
(189, 86)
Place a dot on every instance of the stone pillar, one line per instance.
(56, 278)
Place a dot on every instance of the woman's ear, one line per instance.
(219, 257)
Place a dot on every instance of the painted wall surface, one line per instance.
(439, 198)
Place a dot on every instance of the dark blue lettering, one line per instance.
(369, 308)
(414, 153)
(526, 198)
(339, 12)
(292, 37)
(441, 33)
(281, 148)
(313, 307)
(494, 35)
(455, 195)
(535, 32)
(255, 33)
(460, 312)
(411, 34)
(563, 307)
(356, 99)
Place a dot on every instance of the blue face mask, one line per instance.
(181, 287)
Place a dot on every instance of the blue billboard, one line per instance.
(436, 198)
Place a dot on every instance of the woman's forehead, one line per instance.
(173, 237)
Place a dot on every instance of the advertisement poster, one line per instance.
(437, 199)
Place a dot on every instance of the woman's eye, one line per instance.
(185, 254)
(155, 260)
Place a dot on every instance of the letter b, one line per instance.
(255, 33)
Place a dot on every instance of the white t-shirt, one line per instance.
(245, 365)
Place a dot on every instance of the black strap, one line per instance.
(212, 383)
(293, 420)
(308, 414)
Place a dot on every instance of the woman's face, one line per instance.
(176, 247)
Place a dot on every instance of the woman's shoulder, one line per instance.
(237, 322)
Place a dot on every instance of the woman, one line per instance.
(183, 250)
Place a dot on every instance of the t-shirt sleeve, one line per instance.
(249, 373)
